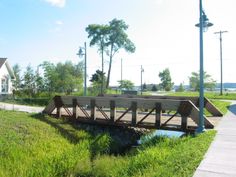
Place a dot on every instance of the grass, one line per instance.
(214, 98)
(34, 145)
(210, 95)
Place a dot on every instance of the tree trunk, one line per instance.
(109, 69)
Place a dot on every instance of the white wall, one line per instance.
(4, 72)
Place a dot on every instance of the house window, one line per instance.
(4, 84)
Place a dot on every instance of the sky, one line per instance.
(163, 31)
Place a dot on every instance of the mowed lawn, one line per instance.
(34, 145)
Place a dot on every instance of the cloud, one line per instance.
(59, 22)
(58, 3)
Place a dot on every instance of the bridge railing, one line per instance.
(107, 107)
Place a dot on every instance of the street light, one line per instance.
(83, 52)
(203, 26)
(221, 67)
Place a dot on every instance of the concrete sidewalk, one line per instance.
(220, 160)
(14, 107)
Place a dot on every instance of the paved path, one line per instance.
(29, 109)
(220, 160)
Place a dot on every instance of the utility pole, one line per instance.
(221, 62)
(121, 74)
(141, 89)
(83, 52)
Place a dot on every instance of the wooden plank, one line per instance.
(49, 108)
(194, 115)
(212, 109)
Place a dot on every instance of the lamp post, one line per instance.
(83, 52)
(141, 89)
(221, 62)
(203, 26)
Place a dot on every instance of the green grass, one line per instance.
(210, 95)
(34, 145)
(221, 105)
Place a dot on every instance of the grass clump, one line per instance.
(34, 145)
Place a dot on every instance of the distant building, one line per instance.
(6, 77)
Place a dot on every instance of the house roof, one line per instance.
(2, 61)
(9, 68)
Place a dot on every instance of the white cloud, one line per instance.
(58, 3)
(59, 22)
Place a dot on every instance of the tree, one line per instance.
(63, 77)
(144, 87)
(98, 79)
(99, 37)
(154, 88)
(194, 81)
(117, 40)
(180, 88)
(110, 38)
(39, 81)
(29, 81)
(17, 82)
(165, 77)
(126, 84)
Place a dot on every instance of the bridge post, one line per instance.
(184, 122)
(58, 104)
(112, 110)
(158, 115)
(93, 109)
(75, 108)
(59, 112)
(184, 109)
(134, 113)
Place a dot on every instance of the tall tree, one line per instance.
(194, 81)
(99, 37)
(110, 39)
(17, 82)
(39, 81)
(166, 82)
(29, 81)
(117, 40)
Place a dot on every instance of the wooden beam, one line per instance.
(75, 109)
(158, 113)
(112, 110)
(93, 109)
(134, 113)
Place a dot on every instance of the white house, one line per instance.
(6, 77)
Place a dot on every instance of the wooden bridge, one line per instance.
(128, 111)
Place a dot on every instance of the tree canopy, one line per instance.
(126, 84)
(166, 82)
(194, 81)
(110, 38)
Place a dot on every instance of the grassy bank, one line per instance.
(210, 95)
(34, 145)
